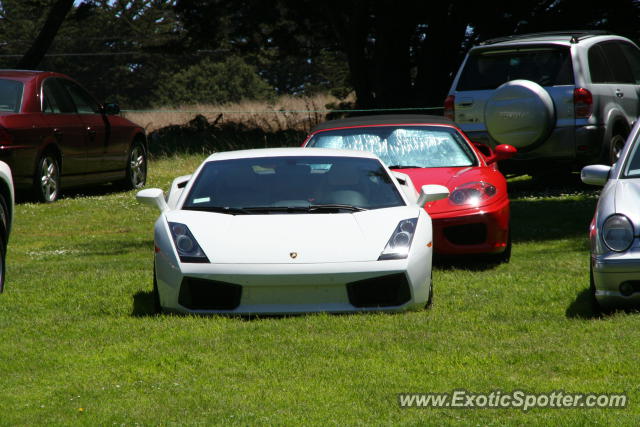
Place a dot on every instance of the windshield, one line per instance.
(402, 146)
(547, 66)
(632, 163)
(300, 184)
(10, 95)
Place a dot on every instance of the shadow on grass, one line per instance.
(115, 247)
(95, 190)
(584, 307)
(143, 304)
(463, 262)
(551, 219)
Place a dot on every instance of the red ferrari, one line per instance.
(432, 150)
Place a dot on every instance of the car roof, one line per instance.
(384, 119)
(25, 75)
(557, 37)
(288, 152)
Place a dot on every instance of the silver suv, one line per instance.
(563, 99)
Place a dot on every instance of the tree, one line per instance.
(41, 44)
(210, 82)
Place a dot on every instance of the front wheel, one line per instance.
(136, 167)
(4, 223)
(46, 182)
(155, 294)
(616, 145)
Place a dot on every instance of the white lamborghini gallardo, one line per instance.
(292, 230)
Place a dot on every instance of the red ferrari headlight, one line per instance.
(472, 193)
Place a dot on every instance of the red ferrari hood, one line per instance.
(453, 177)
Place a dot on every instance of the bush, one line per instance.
(211, 82)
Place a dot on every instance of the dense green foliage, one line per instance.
(208, 82)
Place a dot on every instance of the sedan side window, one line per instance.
(56, 100)
(84, 102)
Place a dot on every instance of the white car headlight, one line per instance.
(617, 233)
(400, 241)
(472, 193)
(188, 249)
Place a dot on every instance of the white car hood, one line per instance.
(293, 238)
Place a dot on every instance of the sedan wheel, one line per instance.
(136, 167)
(47, 180)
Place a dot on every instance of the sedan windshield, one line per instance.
(404, 146)
(10, 95)
(300, 184)
(632, 162)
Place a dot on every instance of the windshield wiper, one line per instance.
(308, 208)
(335, 207)
(405, 167)
(220, 209)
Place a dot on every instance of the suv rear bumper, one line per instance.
(566, 146)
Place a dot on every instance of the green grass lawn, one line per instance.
(79, 346)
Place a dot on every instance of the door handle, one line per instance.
(57, 132)
(619, 93)
(466, 102)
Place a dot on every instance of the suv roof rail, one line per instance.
(576, 36)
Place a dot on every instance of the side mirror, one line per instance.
(595, 174)
(111, 109)
(502, 152)
(431, 193)
(153, 197)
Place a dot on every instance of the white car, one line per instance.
(292, 230)
(6, 215)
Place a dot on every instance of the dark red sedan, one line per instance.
(54, 135)
(474, 219)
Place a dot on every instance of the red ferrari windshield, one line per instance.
(402, 146)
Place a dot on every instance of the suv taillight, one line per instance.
(450, 107)
(582, 103)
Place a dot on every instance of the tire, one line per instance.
(4, 221)
(616, 145)
(136, 167)
(429, 303)
(595, 305)
(3, 257)
(157, 308)
(46, 182)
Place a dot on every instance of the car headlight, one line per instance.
(400, 241)
(188, 249)
(472, 193)
(617, 233)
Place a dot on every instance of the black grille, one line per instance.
(202, 294)
(382, 291)
(466, 234)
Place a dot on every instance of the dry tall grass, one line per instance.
(287, 113)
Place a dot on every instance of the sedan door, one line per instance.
(96, 127)
(60, 115)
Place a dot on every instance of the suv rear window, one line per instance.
(488, 69)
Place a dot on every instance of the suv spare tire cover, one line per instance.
(520, 113)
